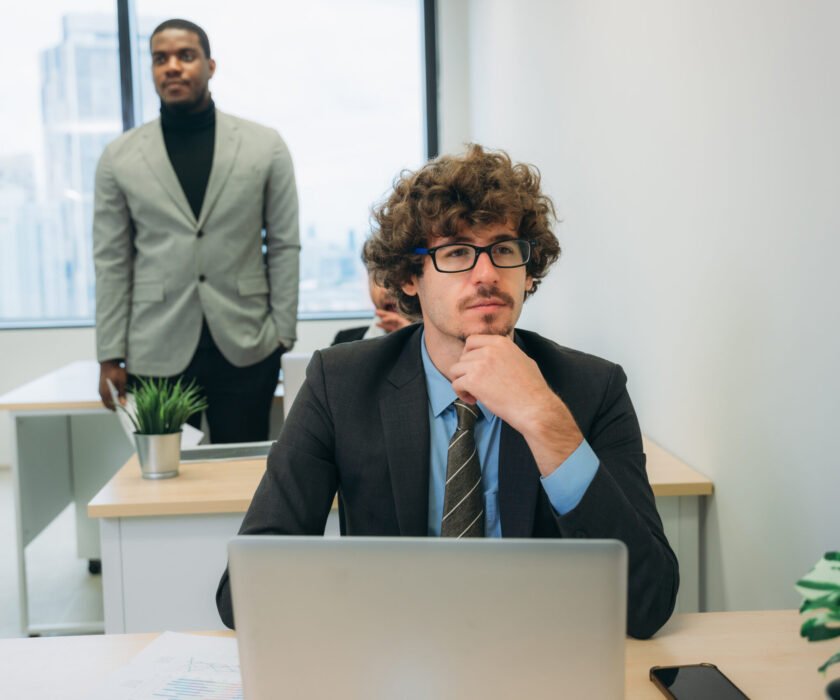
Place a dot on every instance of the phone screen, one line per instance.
(696, 682)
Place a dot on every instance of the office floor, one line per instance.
(60, 588)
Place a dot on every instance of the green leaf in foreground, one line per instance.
(820, 590)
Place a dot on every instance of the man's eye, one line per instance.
(504, 249)
(458, 252)
(188, 56)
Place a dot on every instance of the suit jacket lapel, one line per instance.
(156, 157)
(519, 480)
(405, 421)
(225, 148)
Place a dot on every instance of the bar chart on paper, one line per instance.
(178, 667)
(191, 686)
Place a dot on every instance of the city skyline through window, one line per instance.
(346, 96)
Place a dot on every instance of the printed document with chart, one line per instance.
(178, 666)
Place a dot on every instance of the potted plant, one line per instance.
(820, 589)
(158, 410)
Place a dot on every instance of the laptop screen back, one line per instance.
(429, 618)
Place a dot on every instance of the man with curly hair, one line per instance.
(554, 446)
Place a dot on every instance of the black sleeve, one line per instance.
(297, 490)
(619, 504)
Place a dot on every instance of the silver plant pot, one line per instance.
(159, 455)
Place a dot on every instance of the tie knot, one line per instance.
(467, 415)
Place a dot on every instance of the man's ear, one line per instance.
(410, 288)
(529, 283)
(212, 65)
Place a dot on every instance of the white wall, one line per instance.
(693, 150)
(27, 354)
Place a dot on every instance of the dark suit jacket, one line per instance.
(349, 334)
(360, 425)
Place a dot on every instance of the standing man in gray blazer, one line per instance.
(196, 246)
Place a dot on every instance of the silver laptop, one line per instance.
(429, 618)
(294, 366)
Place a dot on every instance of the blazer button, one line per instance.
(200, 234)
(201, 278)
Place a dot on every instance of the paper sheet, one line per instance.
(176, 667)
(190, 437)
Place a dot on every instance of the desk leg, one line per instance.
(43, 484)
(112, 575)
(681, 521)
(56, 459)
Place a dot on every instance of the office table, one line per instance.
(65, 447)
(164, 543)
(760, 651)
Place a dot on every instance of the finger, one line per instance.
(106, 399)
(474, 342)
(467, 397)
(121, 381)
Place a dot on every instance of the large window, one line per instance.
(341, 81)
(61, 105)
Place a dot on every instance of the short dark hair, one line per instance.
(477, 188)
(187, 26)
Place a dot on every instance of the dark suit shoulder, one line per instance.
(367, 368)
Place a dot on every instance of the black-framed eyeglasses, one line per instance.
(460, 257)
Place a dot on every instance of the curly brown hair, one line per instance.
(477, 188)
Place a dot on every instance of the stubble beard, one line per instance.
(489, 329)
(491, 324)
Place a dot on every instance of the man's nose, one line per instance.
(484, 269)
(173, 65)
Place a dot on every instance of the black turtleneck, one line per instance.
(189, 142)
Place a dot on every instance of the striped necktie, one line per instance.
(463, 497)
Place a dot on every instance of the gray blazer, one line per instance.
(159, 269)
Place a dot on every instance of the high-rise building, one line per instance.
(81, 113)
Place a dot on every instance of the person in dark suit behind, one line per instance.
(461, 425)
(388, 316)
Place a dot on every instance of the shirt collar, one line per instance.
(439, 388)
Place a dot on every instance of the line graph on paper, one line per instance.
(195, 665)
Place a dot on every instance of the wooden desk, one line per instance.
(760, 651)
(164, 543)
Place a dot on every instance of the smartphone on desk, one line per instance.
(695, 682)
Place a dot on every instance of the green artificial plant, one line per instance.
(161, 406)
(820, 589)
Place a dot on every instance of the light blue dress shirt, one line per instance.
(564, 487)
